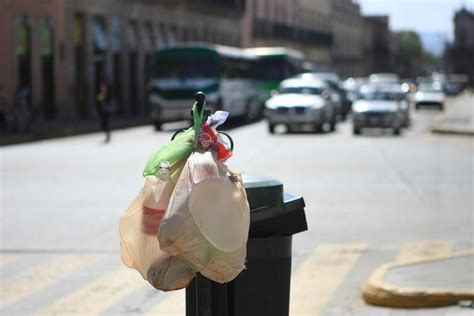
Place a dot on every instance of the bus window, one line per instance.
(196, 67)
(235, 68)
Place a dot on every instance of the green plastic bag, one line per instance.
(177, 151)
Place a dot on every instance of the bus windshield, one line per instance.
(275, 68)
(186, 67)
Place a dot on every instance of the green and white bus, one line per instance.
(224, 74)
(275, 64)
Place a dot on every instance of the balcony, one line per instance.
(217, 7)
(269, 30)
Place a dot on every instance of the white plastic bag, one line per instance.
(208, 219)
(139, 246)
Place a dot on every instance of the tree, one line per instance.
(409, 56)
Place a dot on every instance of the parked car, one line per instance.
(300, 102)
(378, 107)
(429, 94)
(352, 86)
(378, 78)
(339, 95)
(401, 92)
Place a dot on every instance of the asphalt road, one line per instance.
(370, 199)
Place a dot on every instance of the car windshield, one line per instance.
(302, 90)
(429, 87)
(380, 95)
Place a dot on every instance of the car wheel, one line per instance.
(356, 131)
(441, 107)
(417, 107)
(157, 125)
(332, 125)
(318, 128)
(397, 131)
(271, 128)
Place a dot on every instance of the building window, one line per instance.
(100, 36)
(79, 66)
(47, 69)
(23, 53)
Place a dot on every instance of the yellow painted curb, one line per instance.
(377, 292)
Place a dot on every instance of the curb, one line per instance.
(460, 131)
(377, 292)
(437, 127)
(66, 131)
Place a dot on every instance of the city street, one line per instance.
(370, 199)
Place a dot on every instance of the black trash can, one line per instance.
(263, 288)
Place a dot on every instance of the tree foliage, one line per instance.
(409, 58)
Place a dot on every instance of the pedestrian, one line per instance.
(104, 108)
(3, 110)
(22, 112)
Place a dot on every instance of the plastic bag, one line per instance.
(208, 219)
(178, 150)
(173, 153)
(139, 246)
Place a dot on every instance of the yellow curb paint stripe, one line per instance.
(4, 260)
(172, 305)
(420, 249)
(41, 276)
(314, 283)
(95, 297)
(377, 292)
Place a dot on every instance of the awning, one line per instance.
(132, 36)
(148, 39)
(100, 37)
(158, 33)
(116, 30)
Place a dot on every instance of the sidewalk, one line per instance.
(53, 129)
(430, 282)
(458, 117)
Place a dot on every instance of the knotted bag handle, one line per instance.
(200, 114)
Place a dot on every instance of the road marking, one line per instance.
(97, 296)
(174, 304)
(41, 276)
(4, 260)
(421, 249)
(314, 283)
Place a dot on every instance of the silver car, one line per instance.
(378, 107)
(429, 94)
(300, 102)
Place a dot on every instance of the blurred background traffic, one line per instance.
(153, 56)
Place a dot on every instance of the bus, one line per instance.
(225, 74)
(274, 64)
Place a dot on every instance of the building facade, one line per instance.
(301, 24)
(348, 30)
(59, 50)
(379, 46)
(459, 56)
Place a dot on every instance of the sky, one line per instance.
(423, 16)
